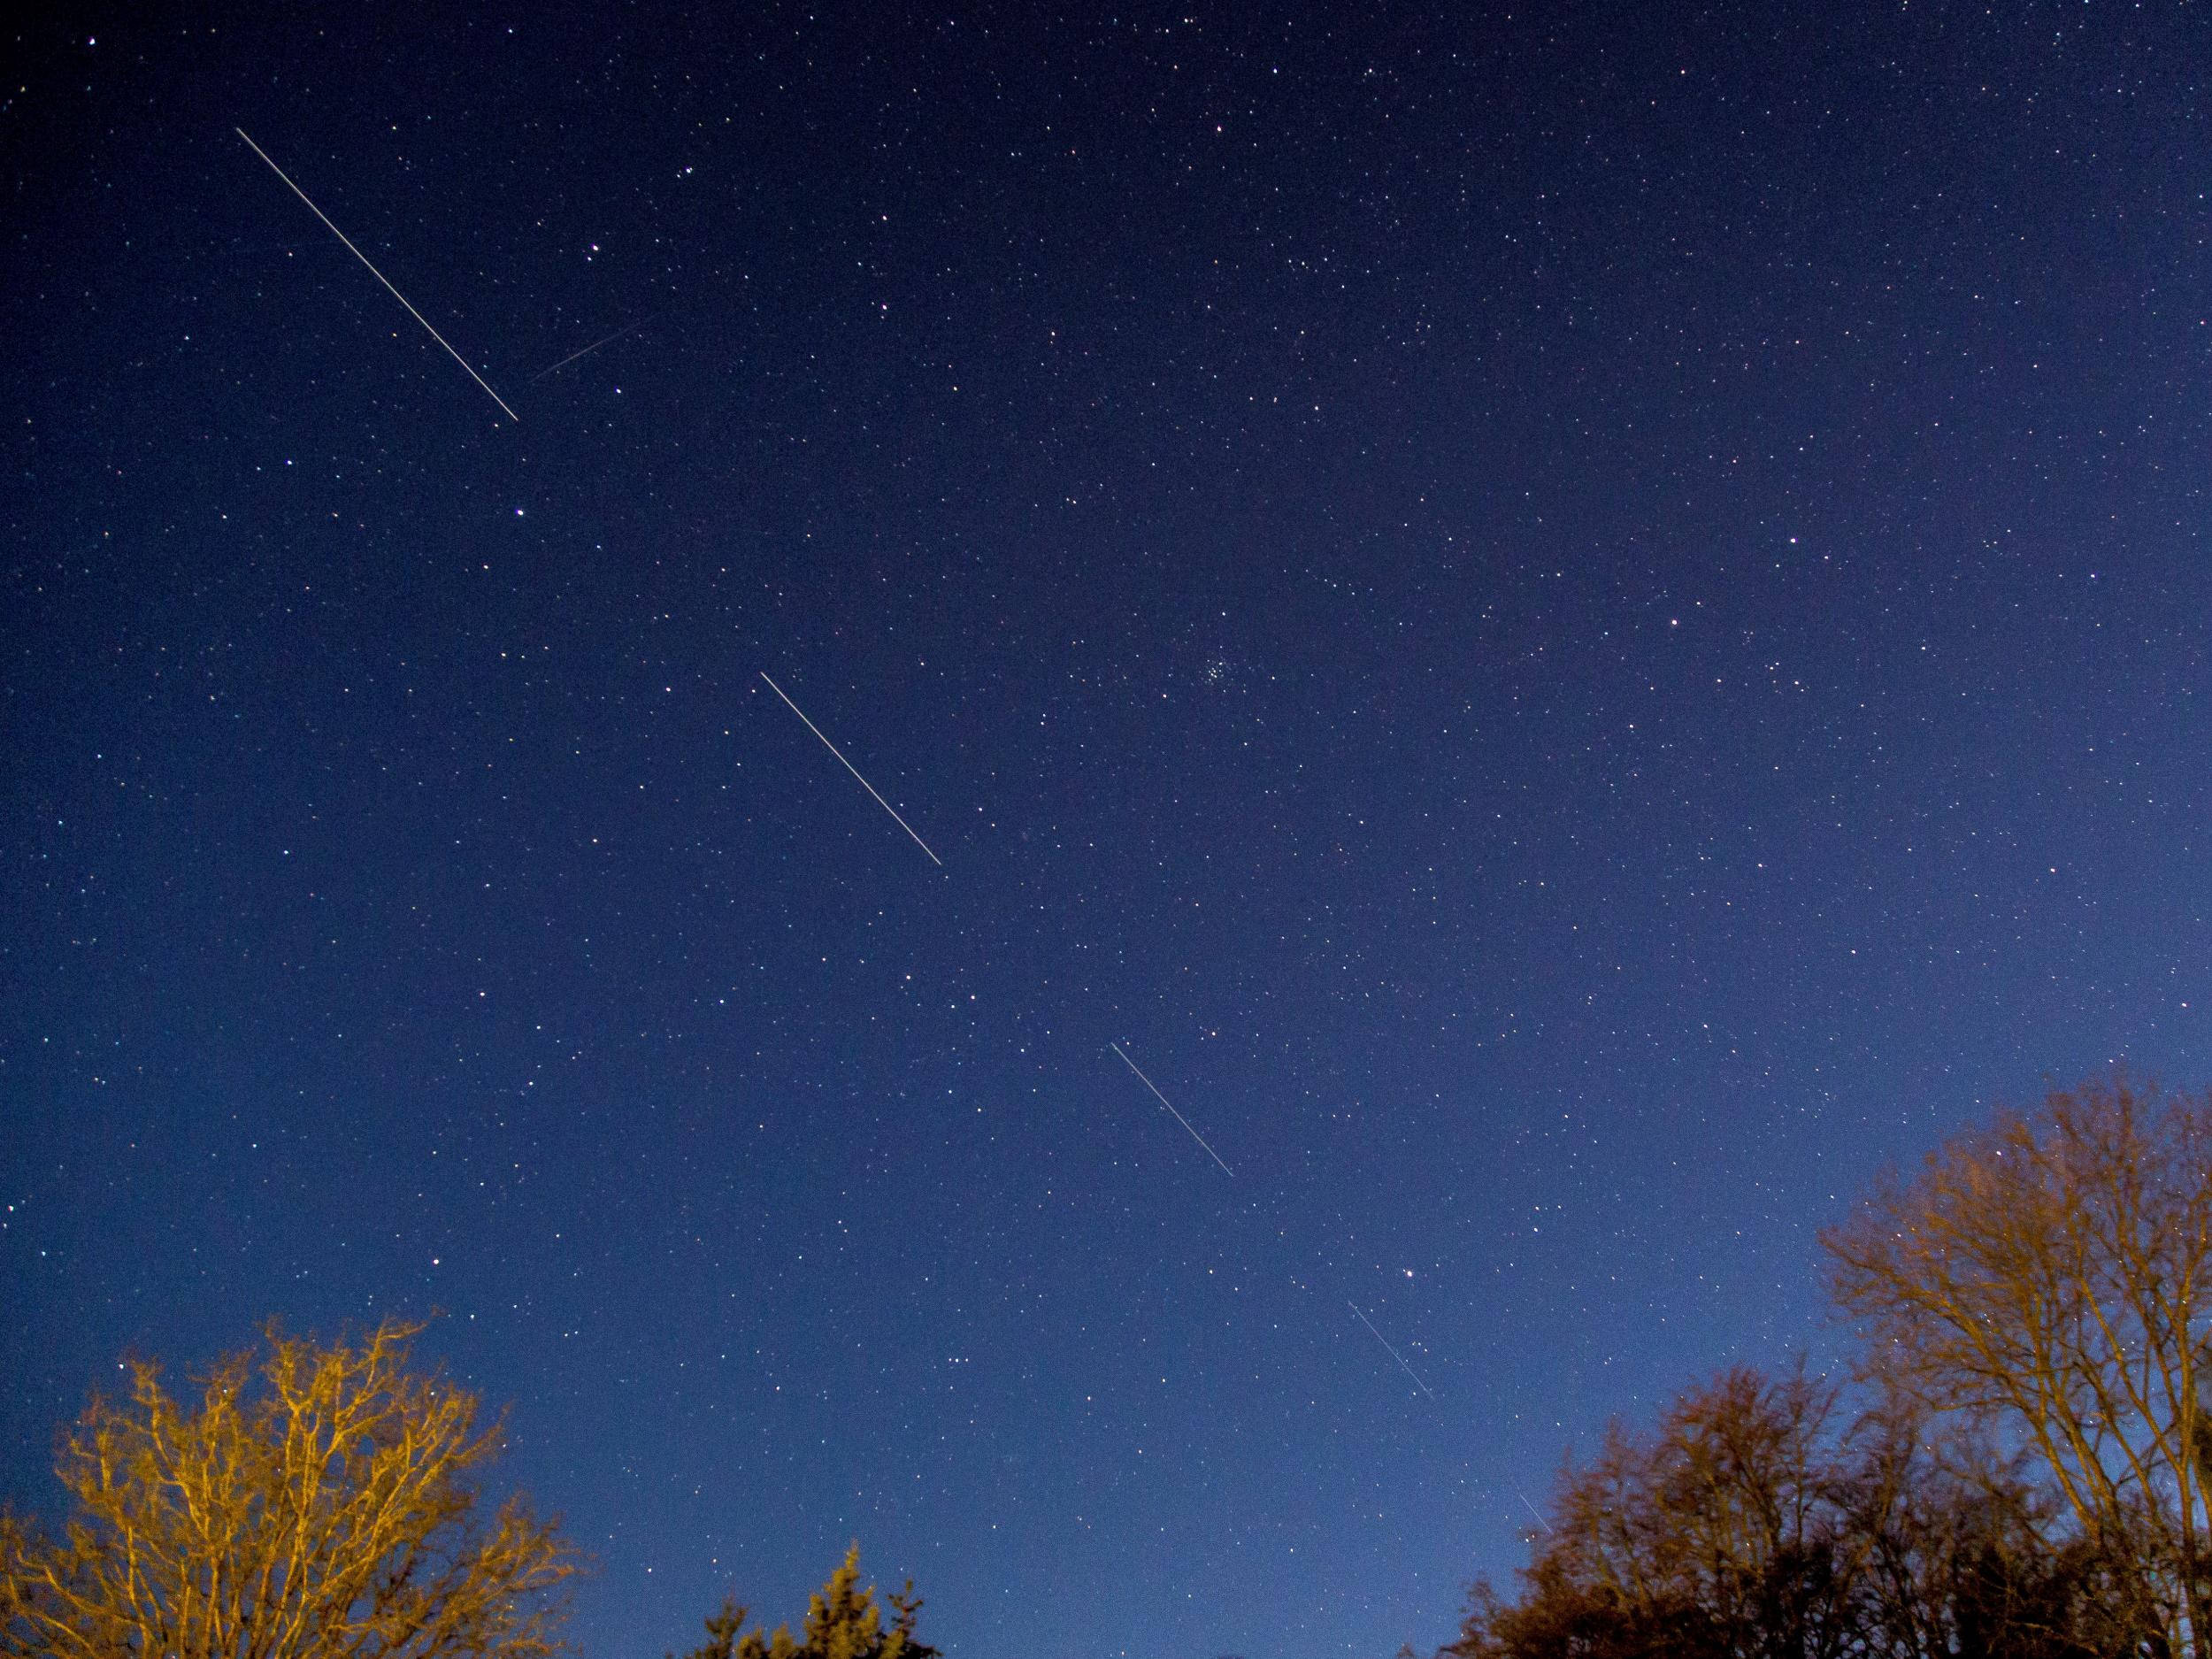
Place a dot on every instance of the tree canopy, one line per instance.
(2019, 1468)
(315, 1502)
(2050, 1276)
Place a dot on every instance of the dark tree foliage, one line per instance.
(2032, 1478)
(2049, 1276)
(842, 1622)
(1754, 1524)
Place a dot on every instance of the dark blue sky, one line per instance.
(1574, 627)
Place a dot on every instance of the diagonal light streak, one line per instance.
(1384, 1340)
(587, 350)
(1164, 1101)
(378, 275)
(850, 767)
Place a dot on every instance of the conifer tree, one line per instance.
(842, 1622)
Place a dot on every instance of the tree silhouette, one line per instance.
(2029, 1476)
(1752, 1524)
(842, 1622)
(2049, 1277)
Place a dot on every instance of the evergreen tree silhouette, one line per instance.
(842, 1622)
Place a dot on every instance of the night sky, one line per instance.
(1573, 627)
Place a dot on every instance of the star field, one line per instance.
(1574, 627)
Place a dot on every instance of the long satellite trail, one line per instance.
(378, 275)
(1384, 1340)
(850, 767)
(1164, 1101)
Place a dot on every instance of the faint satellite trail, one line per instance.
(1401, 1358)
(604, 340)
(850, 767)
(1164, 1101)
(378, 275)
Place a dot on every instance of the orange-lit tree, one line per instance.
(317, 1502)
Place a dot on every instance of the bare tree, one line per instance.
(319, 1503)
(1720, 1534)
(1751, 1524)
(1951, 1549)
(2047, 1277)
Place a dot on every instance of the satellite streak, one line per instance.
(1164, 1101)
(378, 275)
(593, 347)
(1384, 1340)
(1533, 1510)
(850, 767)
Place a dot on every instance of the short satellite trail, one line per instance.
(850, 767)
(378, 275)
(1164, 1101)
(606, 340)
(1393, 1353)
